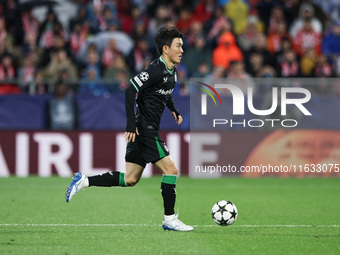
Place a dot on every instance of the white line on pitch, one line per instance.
(155, 225)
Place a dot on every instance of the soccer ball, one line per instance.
(224, 213)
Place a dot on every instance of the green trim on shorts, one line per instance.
(169, 179)
(160, 150)
(122, 181)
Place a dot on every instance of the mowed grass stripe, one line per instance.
(155, 225)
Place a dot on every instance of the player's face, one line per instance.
(175, 51)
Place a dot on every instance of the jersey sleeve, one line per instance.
(130, 94)
(150, 76)
(172, 107)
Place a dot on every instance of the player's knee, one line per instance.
(171, 170)
(131, 180)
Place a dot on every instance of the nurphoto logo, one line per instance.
(280, 99)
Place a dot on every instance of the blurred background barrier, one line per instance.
(294, 153)
(45, 153)
(106, 110)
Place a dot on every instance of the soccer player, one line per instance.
(154, 86)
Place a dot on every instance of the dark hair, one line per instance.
(165, 36)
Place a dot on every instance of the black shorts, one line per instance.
(145, 149)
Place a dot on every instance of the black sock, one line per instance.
(169, 197)
(108, 179)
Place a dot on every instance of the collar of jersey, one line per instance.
(162, 60)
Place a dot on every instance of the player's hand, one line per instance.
(178, 120)
(130, 136)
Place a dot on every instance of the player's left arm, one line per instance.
(175, 113)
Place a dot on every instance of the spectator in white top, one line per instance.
(306, 11)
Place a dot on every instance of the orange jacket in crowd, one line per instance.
(226, 51)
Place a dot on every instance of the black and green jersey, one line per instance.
(154, 86)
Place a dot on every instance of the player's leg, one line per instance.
(168, 184)
(109, 179)
(134, 169)
(168, 190)
(133, 173)
(80, 181)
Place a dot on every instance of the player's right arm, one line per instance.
(131, 130)
(151, 75)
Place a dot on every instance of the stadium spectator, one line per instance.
(117, 73)
(306, 11)
(226, 51)
(204, 10)
(237, 76)
(29, 23)
(331, 45)
(319, 13)
(96, 10)
(203, 71)
(52, 37)
(216, 25)
(260, 46)
(7, 68)
(196, 29)
(79, 18)
(62, 109)
(109, 54)
(274, 41)
(8, 73)
(247, 39)
(59, 62)
(92, 84)
(264, 9)
(185, 20)
(27, 72)
(12, 14)
(107, 19)
(50, 27)
(307, 38)
(92, 60)
(289, 66)
(162, 14)
(308, 62)
(138, 31)
(77, 37)
(39, 87)
(285, 45)
(30, 47)
(140, 56)
(218, 73)
(323, 68)
(129, 22)
(331, 41)
(276, 18)
(237, 11)
(255, 64)
(182, 76)
(197, 54)
(330, 8)
(3, 31)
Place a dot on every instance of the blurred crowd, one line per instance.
(107, 41)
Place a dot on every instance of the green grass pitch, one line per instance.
(276, 216)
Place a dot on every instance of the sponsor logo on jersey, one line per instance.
(139, 82)
(165, 79)
(144, 76)
(165, 92)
